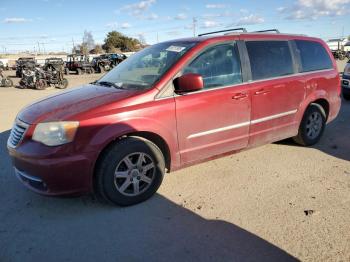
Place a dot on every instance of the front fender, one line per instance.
(104, 134)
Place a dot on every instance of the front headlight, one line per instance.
(55, 133)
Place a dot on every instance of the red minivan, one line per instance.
(172, 105)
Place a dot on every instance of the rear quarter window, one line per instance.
(313, 56)
(269, 59)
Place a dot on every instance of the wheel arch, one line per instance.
(323, 105)
(150, 136)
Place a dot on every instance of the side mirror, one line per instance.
(188, 83)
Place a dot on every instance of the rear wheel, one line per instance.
(79, 72)
(312, 126)
(130, 172)
(40, 84)
(66, 71)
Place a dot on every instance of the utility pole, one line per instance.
(194, 25)
(73, 44)
(157, 38)
(38, 47)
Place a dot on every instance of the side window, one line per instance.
(269, 59)
(313, 56)
(219, 66)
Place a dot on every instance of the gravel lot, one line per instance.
(279, 202)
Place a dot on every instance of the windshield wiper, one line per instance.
(109, 84)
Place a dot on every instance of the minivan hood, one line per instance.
(65, 105)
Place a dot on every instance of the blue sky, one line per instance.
(56, 24)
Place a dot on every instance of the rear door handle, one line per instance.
(239, 96)
(262, 92)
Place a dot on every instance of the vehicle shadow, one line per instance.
(335, 140)
(34, 227)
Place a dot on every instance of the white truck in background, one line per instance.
(340, 48)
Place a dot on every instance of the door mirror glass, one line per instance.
(188, 83)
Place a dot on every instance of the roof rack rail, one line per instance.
(268, 30)
(223, 31)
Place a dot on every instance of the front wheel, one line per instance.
(63, 84)
(6, 82)
(130, 171)
(312, 126)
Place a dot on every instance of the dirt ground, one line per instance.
(278, 202)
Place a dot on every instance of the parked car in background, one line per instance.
(345, 82)
(172, 105)
(106, 62)
(79, 64)
(117, 58)
(5, 81)
(101, 63)
(4, 63)
(54, 73)
(23, 63)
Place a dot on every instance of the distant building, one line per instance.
(339, 44)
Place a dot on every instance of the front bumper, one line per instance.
(53, 176)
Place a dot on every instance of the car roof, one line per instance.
(245, 36)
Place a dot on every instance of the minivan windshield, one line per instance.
(143, 69)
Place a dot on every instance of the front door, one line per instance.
(216, 119)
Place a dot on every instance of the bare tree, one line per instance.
(97, 50)
(83, 49)
(88, 40)
(142, 39)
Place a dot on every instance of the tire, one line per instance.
(312, 126)
(63, 84)
(121, 189)
(346, 96)
(40, 84)
(8, 82)
(101, 69)
(66, 71)
(79, 72)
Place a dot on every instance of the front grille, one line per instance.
(17, 133)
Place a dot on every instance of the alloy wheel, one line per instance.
(314, 125)
(134, 174)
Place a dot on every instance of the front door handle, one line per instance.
(262, 92)
(239, 96)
